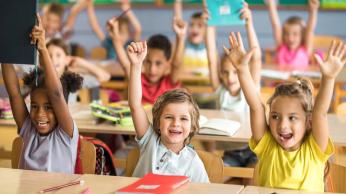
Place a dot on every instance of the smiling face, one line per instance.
(175, 125)
(288, 122)
(196, 30)
(155, 65)
(41, 112)
(292, 35)
(59, 58)
(51, 23)
(229, 77)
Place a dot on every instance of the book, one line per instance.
(225, 12)
(218, 126)
(154, 184)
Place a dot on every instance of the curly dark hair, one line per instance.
(176, 96)
(197, 15)
(160, 42)
(71, 82)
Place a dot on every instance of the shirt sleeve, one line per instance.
(320, 155)
(148, 135)
(262, 145)
(26, 129)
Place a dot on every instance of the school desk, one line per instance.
(265, 190)
(26, 181)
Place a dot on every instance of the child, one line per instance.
(195, 53)
(59, 54)
(53, 19)
(124, 27)
(49, 133)
(157, 63)
(295, 146)
(294, 41)
(229, 94)
(163, 147)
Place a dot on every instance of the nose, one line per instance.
(152, 69)
(41, 111)
(283, 124)
(176, 122)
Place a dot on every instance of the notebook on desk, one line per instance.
(218, 126)
(225, 12)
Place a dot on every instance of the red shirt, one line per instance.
(150, 92)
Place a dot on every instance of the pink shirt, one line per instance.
(150, 92)
(296, 59)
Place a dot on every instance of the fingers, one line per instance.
(137, 47)
(39, 20)
(331, 48)
(240, 41)
(339, 49)
(226, 50)
(318, 59)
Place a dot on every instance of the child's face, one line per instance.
(41, 112)
(196, 31)
(287, 122)
(155, 65)
(58, 57)
(175, 125)
(51, 23)
(292, 35)
(229, 77)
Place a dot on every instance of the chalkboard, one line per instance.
(17, 19)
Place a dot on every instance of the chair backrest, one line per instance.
(341, 109)
(337, 174)
(87, 155)
(98, 53)
(323, 41)
(17, 146)
(212, 163)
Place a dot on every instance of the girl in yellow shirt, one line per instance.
(294, 145)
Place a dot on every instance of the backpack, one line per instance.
(104, 158)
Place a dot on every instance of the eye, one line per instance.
(48, 107)
(168, 117)
(158, 63)
(293, 118)
(33, 106)
(184, 118)
(275, 117)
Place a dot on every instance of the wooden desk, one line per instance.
(265, 190)
(25, 181)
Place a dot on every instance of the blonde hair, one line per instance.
(176, 96)
(295, 20)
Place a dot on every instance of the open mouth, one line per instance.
(285, 136)
(42, 123)
(174, 132)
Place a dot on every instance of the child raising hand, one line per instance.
(162, 144)
(49, 133)
(294, 146)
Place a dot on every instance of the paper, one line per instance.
(225, 12)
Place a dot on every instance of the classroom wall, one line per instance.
(160, 21)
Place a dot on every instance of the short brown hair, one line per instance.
(56, 8)
(176, 96)
(59, 43)
(301, 89)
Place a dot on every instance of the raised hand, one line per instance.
(245, 13)
(236, 54)
(38, 34)
(137, 52)
(314, 5)
(179, 27)
(335, 60)
(125, 5)
(113, 29)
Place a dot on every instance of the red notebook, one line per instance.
(155, 184)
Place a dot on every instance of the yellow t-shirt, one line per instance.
(302, 169)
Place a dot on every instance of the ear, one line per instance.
(308, 122)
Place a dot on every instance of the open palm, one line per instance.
(335, 60)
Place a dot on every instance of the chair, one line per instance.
(87, 155)
(212, 163)
(336, 176)
(323, 41)
(341, 109)
(98, 53)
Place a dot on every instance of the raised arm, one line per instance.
(275, 21)
(137, 52)
(310, 28)
(93, 21)
(180, 28)
(240, 60)
(256, 59)
(75, 10)
(330, 67)
(126, 6)
(77, 63)
(113, 30)
(18, 106)
(52, 81)
(178, 9)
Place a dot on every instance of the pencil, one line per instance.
(62, 186)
